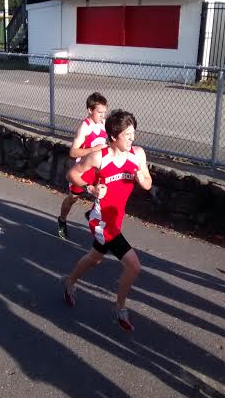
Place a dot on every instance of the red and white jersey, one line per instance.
(96, 135)
(107, 213)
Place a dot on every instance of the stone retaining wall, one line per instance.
(178, 198)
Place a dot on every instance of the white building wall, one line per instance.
(188, 39)
(52, 25)
(44, 27)
(69, 23)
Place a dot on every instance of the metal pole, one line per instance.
(218, 118)
(4, 21)
(6, 7)
(52, 95)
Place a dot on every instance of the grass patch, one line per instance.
(207, 85)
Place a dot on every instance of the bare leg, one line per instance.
(84, 264)
(131, 270)
(66, 206)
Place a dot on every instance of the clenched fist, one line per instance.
(139, 176)
(100, 191)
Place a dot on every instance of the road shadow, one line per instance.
(32, 260)
(44, 359)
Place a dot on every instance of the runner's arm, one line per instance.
(74, 175)
(142, 174)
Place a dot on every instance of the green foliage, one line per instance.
(13, 4)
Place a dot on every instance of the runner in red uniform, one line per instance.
(90, 137)
(95, 137)
(119, 166)
(107, 214)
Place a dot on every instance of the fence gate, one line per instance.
(217, 48)
(212, 35)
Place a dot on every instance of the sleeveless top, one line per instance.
(107, 213)
(96, 135)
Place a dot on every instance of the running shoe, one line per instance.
(123, 318)
(69, 293)
(62, 229)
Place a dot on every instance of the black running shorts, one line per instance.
(118, 246)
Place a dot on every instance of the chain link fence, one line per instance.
(176, 116)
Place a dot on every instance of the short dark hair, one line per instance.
(95, 99)
(118, 121)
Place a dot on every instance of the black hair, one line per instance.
(95, 99)
(118, 121)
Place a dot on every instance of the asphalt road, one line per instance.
(48, 350)
(170, 116)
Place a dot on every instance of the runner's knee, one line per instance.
(131, 261)
(95, 257)
(136, 267)
(72, 199)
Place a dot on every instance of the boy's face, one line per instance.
(125, 139)
(98, 114)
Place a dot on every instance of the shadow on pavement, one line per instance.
(44, 359)
(32, 260)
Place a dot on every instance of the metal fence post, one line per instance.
(218, 117)
(4, 27)
(52, 95)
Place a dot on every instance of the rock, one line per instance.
(183, 202)
(217, 188)
(61, 169)
(19, 164)
(44, 148)
(14, 163)
(44, 169)
(201, 218)
(14, 146)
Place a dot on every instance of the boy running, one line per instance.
(118, 166)
(90, 137)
